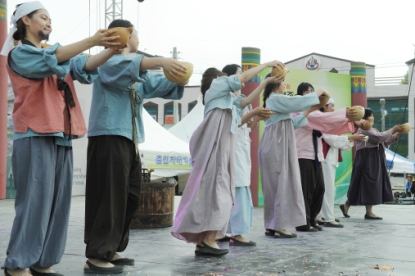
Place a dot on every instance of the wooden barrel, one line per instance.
(156, 206)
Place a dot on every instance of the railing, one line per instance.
(389, 81)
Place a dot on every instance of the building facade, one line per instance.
(399, 101)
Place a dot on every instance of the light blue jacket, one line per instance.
(111, 112)
(219, 96)
(283, 106)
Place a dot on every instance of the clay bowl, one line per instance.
(279, 72)
(323, 101)
(186, 76)
(124, 34)
(366, 125)
(406, 128)
(360, 112)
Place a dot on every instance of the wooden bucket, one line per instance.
(156, 206)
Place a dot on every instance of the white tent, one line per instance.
(185, 128)
(162, 151)
(398, 164)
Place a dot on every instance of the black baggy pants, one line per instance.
(113, 185)
(312, 183)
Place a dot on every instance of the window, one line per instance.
(152, 109)
(168, 113)
(396, 109)
(190, 106)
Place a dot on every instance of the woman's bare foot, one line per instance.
(333, 222)
(99, 263)
(18, 272)
(240, 238)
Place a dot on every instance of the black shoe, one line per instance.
(224, 239)
(282, 235)
(93, 269)
(318, 227)
(37, 273)
(123, 261)
(344, 214)
(320, 222)
(206, 250)
(304, 229)
(374, 218)
(337, 220)
(328, 224)
(269, 232)
(235, 242)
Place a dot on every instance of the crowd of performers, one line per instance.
(298, 181)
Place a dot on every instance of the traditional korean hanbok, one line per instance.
(242, 211)
(310, 156)
(280, 173)
(370, 183)
(209, 193)
(334, 144)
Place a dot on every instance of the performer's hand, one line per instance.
(263, 113)
(359, 123)
(366, 125)
(356, 137)
(105, 38)
(173, 67)
(396, 135)
(314, 108)
(350, 113)
(398, 128)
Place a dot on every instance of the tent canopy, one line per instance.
(162, 151)
(398, 164)
(185, 128)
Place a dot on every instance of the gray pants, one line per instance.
(42, 174)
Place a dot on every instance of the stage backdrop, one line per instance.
(339, 87)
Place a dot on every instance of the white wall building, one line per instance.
(162, 110)
(324, 63)
(405, 92)
(397, 96)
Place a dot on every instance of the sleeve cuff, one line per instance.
(77, 69)
(238, 100)
(234, 83)
(135, 72)
(61, 69)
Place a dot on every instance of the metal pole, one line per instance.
(3, 101)
(175, 102)
(89, 23)
(383, 113)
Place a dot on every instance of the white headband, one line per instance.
(331, 101)
(23, 9)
